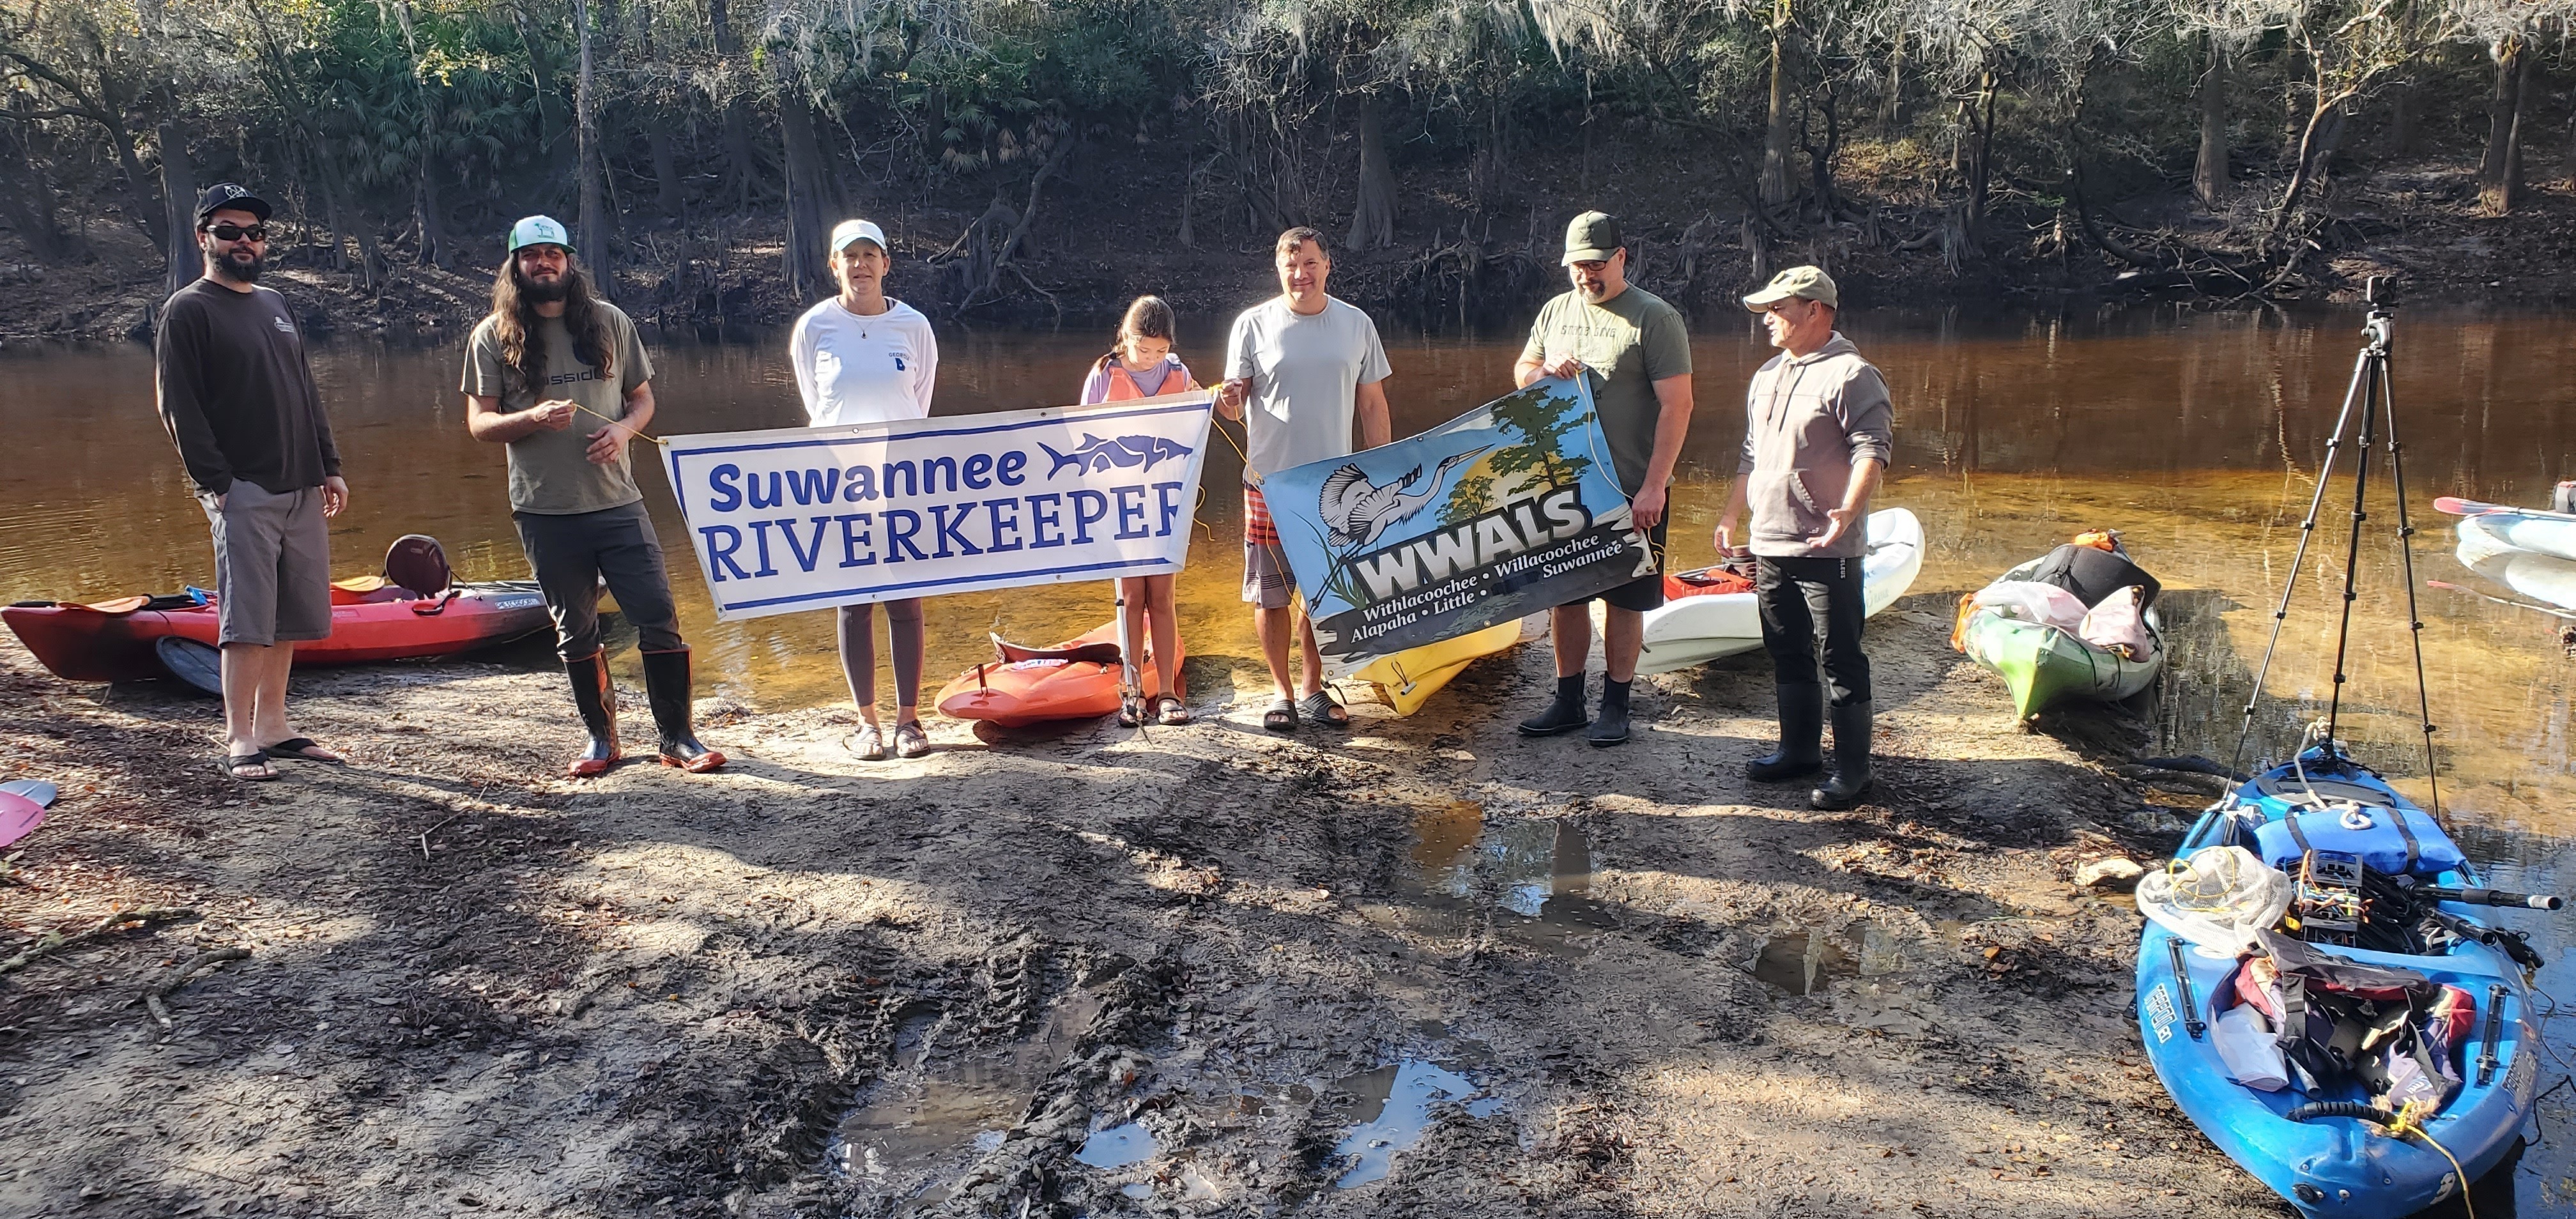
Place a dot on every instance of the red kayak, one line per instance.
(371, 620)
(1076, 679)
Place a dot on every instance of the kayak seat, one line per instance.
(416, 563)
(1095, 653)
(2093, 575)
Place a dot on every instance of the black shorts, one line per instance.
(1647, 591)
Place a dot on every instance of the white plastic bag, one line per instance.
(2032, 601)
(2217, 899)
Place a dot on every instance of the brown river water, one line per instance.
(2198, 435)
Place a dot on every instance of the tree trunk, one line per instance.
(179, 202)
(1890, 108)
(666, 167)
(1775, 142)
(2500, 170)
(737, 116)
(30, 196)
(592, 240)
(2315, 141)
(1373, 217)
(550, 120)
(807, 279)
(427, 215)
(1982, 162)
(2209, 171)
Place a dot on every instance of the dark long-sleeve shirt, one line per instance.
(236, 394)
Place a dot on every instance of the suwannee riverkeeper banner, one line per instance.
(1511, 508)
(803, 518)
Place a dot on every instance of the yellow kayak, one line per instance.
(1409, 678)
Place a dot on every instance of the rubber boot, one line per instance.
(1610, 727)
(666, 687)
(1802, 738)
(1852, 779)
(597, 701)
(1564, 714)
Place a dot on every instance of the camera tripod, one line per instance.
(2370, 393)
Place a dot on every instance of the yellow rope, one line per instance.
(2410, 1120)
(631, 430)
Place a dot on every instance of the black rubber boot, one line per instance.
(1852, 779)
(597, 701)
(666, 687)
(1564, 715)
(1802, 738)
(1611, 726)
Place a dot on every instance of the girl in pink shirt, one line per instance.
(1143, 366)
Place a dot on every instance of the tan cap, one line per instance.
(1593, 237)
(1809, 282)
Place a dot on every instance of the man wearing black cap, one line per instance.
(239, 401)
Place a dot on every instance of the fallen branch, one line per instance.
(424, 838)
(152, 998)
(55, 941)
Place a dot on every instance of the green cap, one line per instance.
(1593, 237)
(1809, 282)
(538, 230)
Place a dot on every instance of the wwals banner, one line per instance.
(1511, 508)
(801, 518)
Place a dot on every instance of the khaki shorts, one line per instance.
(1266, 579)
(272, 565)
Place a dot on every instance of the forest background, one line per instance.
(1053, 157)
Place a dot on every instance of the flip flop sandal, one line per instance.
(910, 741)
(1171, 712)
(234, 764)
(1281, 717)
(869, 744)
(1320, 707)
(296, 748)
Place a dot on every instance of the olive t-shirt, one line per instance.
(550, 472)
(1629, 343)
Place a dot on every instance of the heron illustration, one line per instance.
(1358, 511)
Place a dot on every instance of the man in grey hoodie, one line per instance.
(1816, 440)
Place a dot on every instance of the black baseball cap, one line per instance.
(230, 195)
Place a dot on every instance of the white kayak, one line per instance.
(2531, 530)
(1694, 630)
(2487, 548)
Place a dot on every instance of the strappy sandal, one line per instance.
(868, 744)
(1320, 707)
(909, 740)
(1170, 712)
(234, 764)
(1281, 717)
(1131, 712)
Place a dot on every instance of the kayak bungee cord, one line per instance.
(2371, 390)
(2408, 1120)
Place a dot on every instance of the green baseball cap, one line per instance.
(1593, 237)
(1809, 282)
(538, 230)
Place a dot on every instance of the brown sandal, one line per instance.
(1170, 712)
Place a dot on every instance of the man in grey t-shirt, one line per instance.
(1299, 368)
(558, 375)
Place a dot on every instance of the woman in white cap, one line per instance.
(862, 357)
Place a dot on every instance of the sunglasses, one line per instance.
(235, 232)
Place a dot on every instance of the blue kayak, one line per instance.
(2342, 1167)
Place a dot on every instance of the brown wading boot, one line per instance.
(597, 700)
(666, 687)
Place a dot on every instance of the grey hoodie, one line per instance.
(1807, 422)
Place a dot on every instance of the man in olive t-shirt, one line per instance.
(558, 375)
(1634, 351)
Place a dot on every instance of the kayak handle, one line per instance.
(2340, 1108)
(2495, 1029)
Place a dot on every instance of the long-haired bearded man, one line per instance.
(558, 375)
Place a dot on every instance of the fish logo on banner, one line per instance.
(802, 518)
(1509, 509)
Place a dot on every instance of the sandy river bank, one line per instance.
(808, 985)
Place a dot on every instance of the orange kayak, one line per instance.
(370, 621)
(1076, 679)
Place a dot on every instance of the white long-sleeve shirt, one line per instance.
(853, 369)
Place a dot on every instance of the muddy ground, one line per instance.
(474, 989)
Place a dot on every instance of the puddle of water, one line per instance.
(916, 1130)
(1797, 961)
(1117, 1147)
(1403, 1095)
(1137, 1189)
(1531, 877)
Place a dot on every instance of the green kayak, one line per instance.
(2042, 664)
